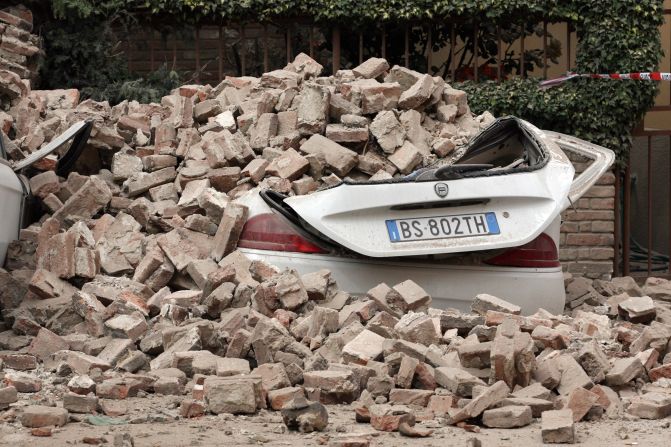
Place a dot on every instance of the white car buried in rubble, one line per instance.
(14, 187)
(488, 223)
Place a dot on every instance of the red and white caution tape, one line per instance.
(637, 76)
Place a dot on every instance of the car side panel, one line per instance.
(11, 199)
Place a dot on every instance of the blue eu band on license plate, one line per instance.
(442, 227)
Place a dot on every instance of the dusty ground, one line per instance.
(154, 425)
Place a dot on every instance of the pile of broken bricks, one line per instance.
(265, 339)
(131, 285)
(290, 130)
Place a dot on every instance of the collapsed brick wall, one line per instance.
(587, 231)
(586, 241)
(586, 247)
(19, 49)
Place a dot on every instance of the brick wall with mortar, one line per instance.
(587, 230)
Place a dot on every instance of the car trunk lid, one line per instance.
(509, 185)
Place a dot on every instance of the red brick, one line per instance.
(580, 401)
(601, 191)
(602, 204)
(46, 343)
(607, 179)
(663, 371)
(569, 227)
(600, 226)
(589, 239)
(582, 204)
(578, 215)
(441, 404)
(601, 253)
(568, 254)
(583, 253)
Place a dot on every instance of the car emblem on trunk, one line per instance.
(441, 189)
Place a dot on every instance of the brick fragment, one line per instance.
(364, 347)
(580, 401)
(507, 417)
(457, 380)
(557, 427)
(236, 394)
(338, 158)
(46, 343)
(8, 395)
(484, 302)
(538, 406)
(77, 403)
(410, 297)
(624, 370)
(486, 399)
(35, 416)
(371, 68)
(651, 406)
(388, 417)
(638, 309)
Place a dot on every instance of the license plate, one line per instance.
(442, 227)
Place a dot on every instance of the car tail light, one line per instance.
(270, 232)
(541, 252)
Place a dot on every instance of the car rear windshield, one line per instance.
(506, 146)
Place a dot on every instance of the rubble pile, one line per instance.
(289, 130)
(240, 336)
(130, 285)
(19, 50)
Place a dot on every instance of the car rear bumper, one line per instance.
(449, 285)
